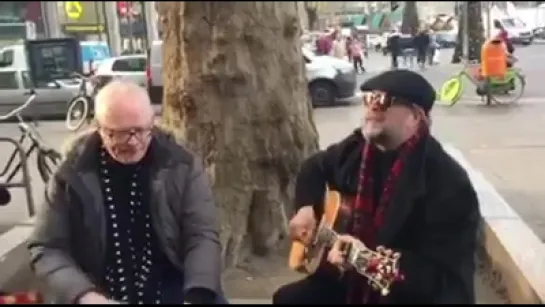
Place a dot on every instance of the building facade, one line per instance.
(82, 20)
(20, 20)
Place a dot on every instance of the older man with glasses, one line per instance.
(129, 215)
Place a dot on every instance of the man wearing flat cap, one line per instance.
(408, 195)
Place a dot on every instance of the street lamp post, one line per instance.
(465, 13)
(488, 19)
(112, 27)
(151, 19)
(130, 24)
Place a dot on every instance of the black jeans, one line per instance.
(172, 290)
(312, 290)
(394, 60)
(431, 55)
(358, 63)
(421, 56)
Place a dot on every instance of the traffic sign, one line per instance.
(73, 9)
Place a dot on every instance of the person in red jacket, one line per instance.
(355, 52)
(504, 35)
(324, 44)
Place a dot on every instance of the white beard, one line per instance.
(372, 131)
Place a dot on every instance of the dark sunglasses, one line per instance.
(382, 100)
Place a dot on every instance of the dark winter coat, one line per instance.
(432, 218)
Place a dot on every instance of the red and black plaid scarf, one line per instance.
(368, 216)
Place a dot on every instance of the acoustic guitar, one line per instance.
(379, 266)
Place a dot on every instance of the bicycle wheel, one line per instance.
(47, 161)
(77, 113)
(451, 91)
(511, 90)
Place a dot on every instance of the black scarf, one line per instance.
(132, 267)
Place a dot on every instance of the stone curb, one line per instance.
(512, 256)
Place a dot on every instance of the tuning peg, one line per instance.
(373, 264)
(388, 269)
(380, 249)
(384, 291)
(388, 252)
(396, 255)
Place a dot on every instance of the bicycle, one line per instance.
(489, 89)
(46, 158)
(28, 131)
(80, 107)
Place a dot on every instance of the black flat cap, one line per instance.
(404, 84)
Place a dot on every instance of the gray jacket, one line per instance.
(67, 247)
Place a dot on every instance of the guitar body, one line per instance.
(308, 259)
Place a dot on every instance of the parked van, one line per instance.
(329, 79)
(92, 52)
(15, 82)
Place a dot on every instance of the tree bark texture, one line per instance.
(235, 93)
(410, 23)
(459, 49)
(475, 29)
(475, 33)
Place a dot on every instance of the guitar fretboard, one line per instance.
(327, 236)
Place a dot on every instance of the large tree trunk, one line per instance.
(475, 32)
(460, 46)
(410, 22)
(235, 94)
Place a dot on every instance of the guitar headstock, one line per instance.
(381, 267)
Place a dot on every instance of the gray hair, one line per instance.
(113, 91)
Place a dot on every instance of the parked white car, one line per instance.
(329, 79)
(128, 67)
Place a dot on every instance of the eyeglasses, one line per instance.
(382, 100)
(141, 134)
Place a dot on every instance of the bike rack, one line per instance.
(25, 181)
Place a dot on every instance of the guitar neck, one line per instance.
(328, 236)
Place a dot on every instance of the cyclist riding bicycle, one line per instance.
(496, 60)
(494, 57)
